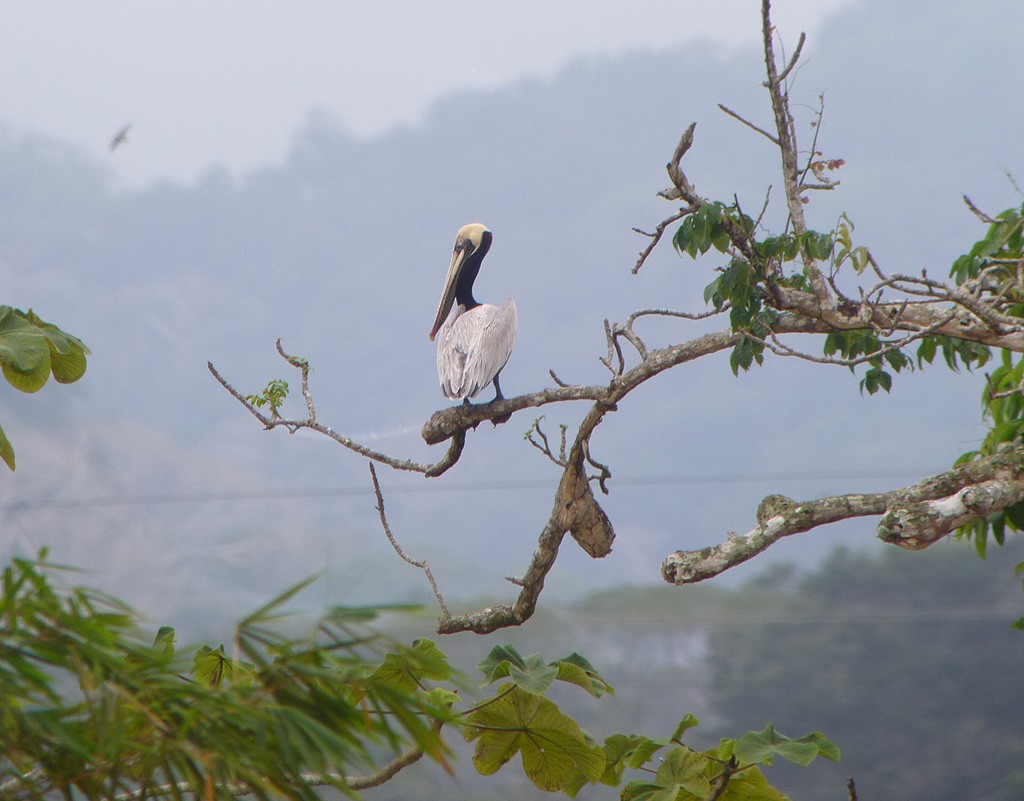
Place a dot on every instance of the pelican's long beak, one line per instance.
(463, 247)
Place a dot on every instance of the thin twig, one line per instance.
(544, 446)
(748, 123)
(556, 379)
(445, 614)
(796, 57)
(458, 439)
(978, 212)
(656, 237)
(303, 366)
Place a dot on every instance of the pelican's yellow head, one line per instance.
(471, 245)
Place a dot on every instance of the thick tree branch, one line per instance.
(576, 512)
(913, 517)
(902, 316)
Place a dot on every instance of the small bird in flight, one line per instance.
(121, 138)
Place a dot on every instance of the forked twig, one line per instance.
(445, 614)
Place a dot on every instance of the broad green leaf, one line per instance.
(750, 785)
(826, 748)
(640, 791)
(441, 697)
(686, 770)
(212, 667)
(405, 669)
(68, 367)
(67, 352)
(685, 724)
(761, 747)
(24, 354)
(1015, 514)
(497, 663)
(627, 751)
(574, 669)
(710, 292)
(551, 744)
(818, 245)
(164, 641)
(720, 239)
(535, 676)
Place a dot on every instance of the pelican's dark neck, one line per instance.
(464, 286)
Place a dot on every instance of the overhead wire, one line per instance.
(153, 499)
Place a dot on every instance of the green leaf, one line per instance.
(710, 291)
(640, 791)
(67, 352)
(164, 641)
(763, 746)
(269, 611)
(497, 663)
(212, 667)
(685, 725)
(626, 751)
(818, 246)
(720, 239)
(441, 697)
(750, 785)
(405, 668)
(826, 748)
(24, 353)
(6, 449)
(684, 769)
(68, 367)
(552, 746)
(1015, 514)
(535, 676)
(574, 669)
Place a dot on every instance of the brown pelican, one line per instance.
(474, 340)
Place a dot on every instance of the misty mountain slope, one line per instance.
(341, 251)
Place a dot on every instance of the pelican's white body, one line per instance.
(473, 346)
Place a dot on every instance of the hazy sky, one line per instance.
(229, 82)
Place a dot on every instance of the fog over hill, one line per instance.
(159, 482)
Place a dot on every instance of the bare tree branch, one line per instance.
(458, 438)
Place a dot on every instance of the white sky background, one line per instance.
(229, 82)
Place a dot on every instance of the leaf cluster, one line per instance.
(31, 350)
(558, 756)
(90, 708)
(272, 396)
(996, 262)
(758, 261)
